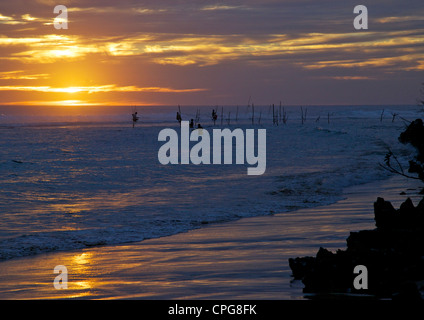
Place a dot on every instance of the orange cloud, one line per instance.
(19, 75)
(9, 20)
(399, 19)
(191, 49)
(96, 89)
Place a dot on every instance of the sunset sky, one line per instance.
(192, 52)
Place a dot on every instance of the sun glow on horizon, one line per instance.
(71, 103)
(80, 103)
(72, 90)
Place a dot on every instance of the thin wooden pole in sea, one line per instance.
(280, 113)
(301, 110)
(198, 116)
(303, 114)
(284, 116)
(276, 118)
(180, 115)
(248, 105)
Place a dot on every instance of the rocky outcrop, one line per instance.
(393, 254)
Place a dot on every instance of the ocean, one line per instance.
(73, 178)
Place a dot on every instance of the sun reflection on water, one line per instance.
(82, 277)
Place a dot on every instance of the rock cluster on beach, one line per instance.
(393, 252)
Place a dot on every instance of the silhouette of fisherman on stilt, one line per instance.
(135, 118)
(214, 116)
(179, 117)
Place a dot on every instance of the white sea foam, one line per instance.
(68, 183)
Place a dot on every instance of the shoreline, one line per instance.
(242, 259)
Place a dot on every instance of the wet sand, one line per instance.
(244, 259)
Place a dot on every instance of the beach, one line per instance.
(243, 259)
(93, 197)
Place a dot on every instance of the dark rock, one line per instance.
(420, 207)
(384, 213)
(301, 266)
(407, 207)
(407, 213)
(408, 291)
(393, 254)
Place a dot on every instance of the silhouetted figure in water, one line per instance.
(135, 118)
(199, 126)
(192, 124)
(214, 116)
(179, 117)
